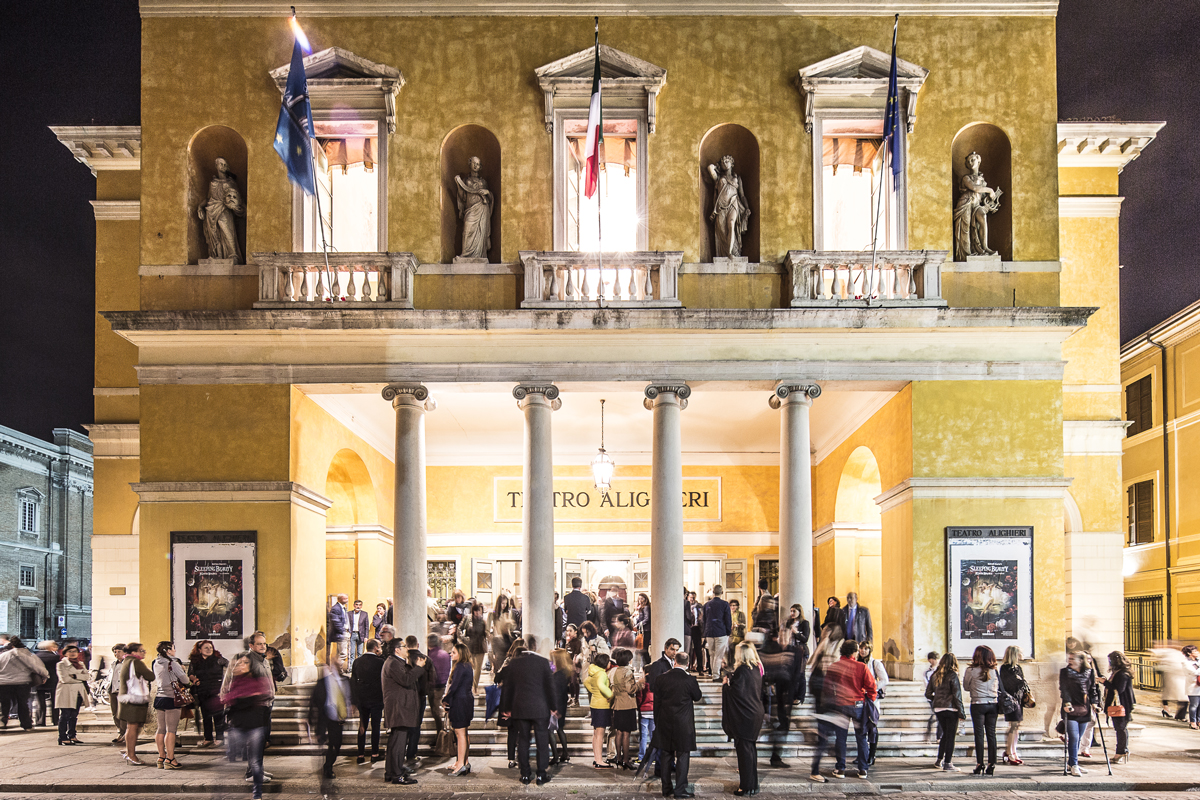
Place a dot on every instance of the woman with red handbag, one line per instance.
(1119, 700)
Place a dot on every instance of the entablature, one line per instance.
(103, 147)
(1103, 144)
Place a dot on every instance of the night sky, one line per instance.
(78, 64)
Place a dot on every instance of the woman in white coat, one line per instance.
(1174, 682)
(71, 693)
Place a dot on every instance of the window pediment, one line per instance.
(861, 73)
(340, 79)
(625, 81)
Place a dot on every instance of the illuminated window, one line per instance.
(858, 200)
(350, 180)
(1140, 509)
(30, 502)
(610, 220)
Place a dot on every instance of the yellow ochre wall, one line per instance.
(480, 70)
(118, 245)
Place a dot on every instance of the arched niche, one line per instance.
(348, 484)
(459, 146)
(207, 145)
(996, 153)
(733, 140)
(858, 524)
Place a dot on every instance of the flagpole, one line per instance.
(888, 150)
(599, 166)
(875, 224)
(320, 219)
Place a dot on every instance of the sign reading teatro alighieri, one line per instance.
(578, 500)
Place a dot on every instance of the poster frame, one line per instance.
(206, 545)
(966, 536)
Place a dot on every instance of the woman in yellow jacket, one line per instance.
(600, 694)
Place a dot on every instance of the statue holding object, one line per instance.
(976, 201)
(475, 211)
(217, 214)
(731, 213)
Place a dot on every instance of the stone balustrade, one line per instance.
(613, 280)
(845, 277)
(300, 279)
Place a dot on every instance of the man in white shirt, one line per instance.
(359, 630)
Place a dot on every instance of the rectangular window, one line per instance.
(1141, 512)
(29, 624)
(769, 569)
(1139, 407)
(857, 191)
(349, 176)
(443, 578)
(1143, 623)
(29, 516)
(28, 577)
(611, 219)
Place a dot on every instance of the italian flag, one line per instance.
(592, 149)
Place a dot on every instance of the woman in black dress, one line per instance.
(1012, 678)
(564, 674)
(742, 715)
(459, 701)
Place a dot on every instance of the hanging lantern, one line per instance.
(602, 464)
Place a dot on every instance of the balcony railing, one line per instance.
(840, 278)
(613, 280)
(302, 279)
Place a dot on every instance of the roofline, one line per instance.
(1178, 326)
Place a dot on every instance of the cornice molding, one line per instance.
(103, 147)
(112, 440)
(1093, 206)
(847, 530)
(216, 268)
(972, 488)
(1179, 326)
(232, 492)
(996, 265)
(614, 8)
(1103, 144)
(117, 210)
(1094, 437)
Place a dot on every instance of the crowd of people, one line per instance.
(766, 664)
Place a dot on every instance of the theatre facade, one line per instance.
(936, 426)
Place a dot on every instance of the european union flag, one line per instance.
(891, 118)
(294, 130)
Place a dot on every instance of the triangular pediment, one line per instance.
(613, 64)
(864, 63)
(336, 64)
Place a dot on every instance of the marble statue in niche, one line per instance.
(975, 202)
(730, 213)
(217, 215)
(475, 211)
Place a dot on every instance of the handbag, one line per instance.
(445, 744)
(1027, 700)
(1008, 703)
(183, 697)
(1115, 711)
(137, 692)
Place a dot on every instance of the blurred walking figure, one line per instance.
(206, 668)
(19, 670)
(1077, 691)
(247, 693)
(327, 713)
(944, 692)
(742, 714)
(473, 632)
(47, 651)
(847, 685)
(1191, 668)
(70, 692)
(366, 693)
(459, 701)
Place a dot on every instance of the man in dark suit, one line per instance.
(577, 604)
(664, 663)
(339, 631)
(528, 689)
(427, 679)
(718, 625)
(614, 607)
(696, 634)
(858, 620)
(675, 696)
(360, 622)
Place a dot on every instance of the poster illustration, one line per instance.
(988, 604)
(989, 589)
(215, 598)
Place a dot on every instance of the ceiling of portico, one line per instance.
(480, 424)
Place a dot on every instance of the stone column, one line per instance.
(538, 401)
(409, 571)
(795, 496)
(666, 400)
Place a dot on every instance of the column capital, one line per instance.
(680, 390)
(522, 392)
(409, 394)
(786, 392)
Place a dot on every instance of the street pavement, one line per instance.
(1166, 760)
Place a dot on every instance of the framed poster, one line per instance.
(989, 589)
(213, 589)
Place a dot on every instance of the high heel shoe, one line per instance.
(160, 763)
(991, 770)
(601, 766)
(458, 772)
(978, 769)
(66, 741)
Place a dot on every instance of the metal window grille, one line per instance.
(28, 577)
(1143, 622)
(443, 578)
(1141, 512)
(770, 571)
(1139, 406)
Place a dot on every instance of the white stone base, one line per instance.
(115, 617)
(464, 260)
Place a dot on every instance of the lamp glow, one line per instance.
(602, 465)
(299, 32)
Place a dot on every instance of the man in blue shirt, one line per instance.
(718, 624)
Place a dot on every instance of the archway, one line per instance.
(732, 140)
(857, 531)
(348, 484)
(459, 146)
(206, 146)
(995, 152)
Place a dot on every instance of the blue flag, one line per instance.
(891, 118)
(295, 128)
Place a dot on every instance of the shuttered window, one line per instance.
(1141, 512)
(1139, 408)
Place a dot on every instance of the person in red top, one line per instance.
(848, 684)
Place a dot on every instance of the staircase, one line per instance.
(904, 715)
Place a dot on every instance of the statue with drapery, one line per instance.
(975, 202)
(217, 214)
(475, 211)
